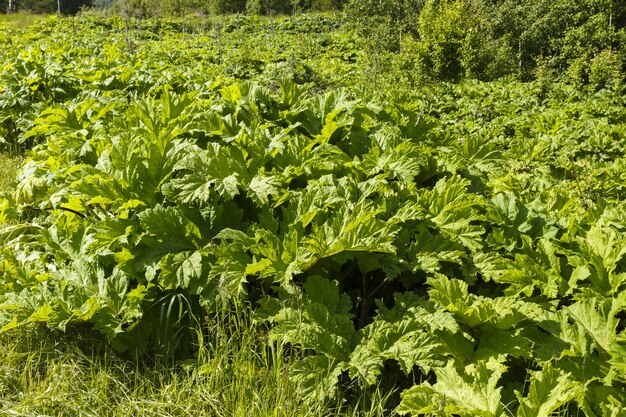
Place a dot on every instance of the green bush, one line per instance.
(384, 23)
(563, 34)
(227, 6)
(605, 70)
(457, 40)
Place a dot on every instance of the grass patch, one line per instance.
(21, 20)
(44, 372)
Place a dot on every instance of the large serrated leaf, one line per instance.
(472, 391)
(549, 390)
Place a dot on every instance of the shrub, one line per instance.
(457, 40)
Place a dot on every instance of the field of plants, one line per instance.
(270, 205)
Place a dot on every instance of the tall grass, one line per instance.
(21, 20)
(50, 373)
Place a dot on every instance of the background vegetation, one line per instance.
(440, 40)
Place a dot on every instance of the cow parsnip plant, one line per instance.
(463, 245)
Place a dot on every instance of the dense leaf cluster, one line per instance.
(58, 58)
(463, 245)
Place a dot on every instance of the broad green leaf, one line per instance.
(472, 391)
(598, 320)
(549, 389)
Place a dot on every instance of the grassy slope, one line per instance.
(21, 20)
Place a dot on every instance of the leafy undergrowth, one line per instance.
(458, 250)
(377, 248)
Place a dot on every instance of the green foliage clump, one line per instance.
(361, 233)
(384, 23)
(457, 40)
(460, 246)
(227, 6)
(454, 39)
(562, 35)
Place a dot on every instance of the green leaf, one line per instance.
(472, 391)
(263, 187)
(180, 269)
(603, 248)
(168, 229)
(218, 169)
(354, 227)
(598, 320)
(322, 291)
(409, 333)
(317, 376)
(549, 389)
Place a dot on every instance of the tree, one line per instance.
(67, 7)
